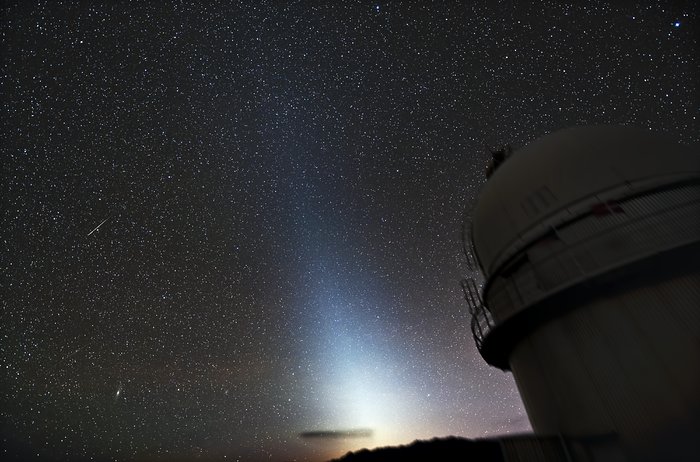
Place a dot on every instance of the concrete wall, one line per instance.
(627, 365)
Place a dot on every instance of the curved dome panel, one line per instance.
(563, 168)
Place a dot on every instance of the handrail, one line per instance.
(476, 308)
(529, 287)
(578, 207)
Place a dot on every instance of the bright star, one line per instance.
(677, 24)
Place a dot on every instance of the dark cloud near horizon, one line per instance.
(355, 433)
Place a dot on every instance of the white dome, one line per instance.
(563, 168)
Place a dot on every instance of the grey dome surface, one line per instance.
(563, 168)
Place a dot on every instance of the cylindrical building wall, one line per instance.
(625, 364)
(589, 239)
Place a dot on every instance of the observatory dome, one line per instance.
(555, 177)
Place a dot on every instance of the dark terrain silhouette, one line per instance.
(437, 449)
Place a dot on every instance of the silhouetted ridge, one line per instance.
(437, 449)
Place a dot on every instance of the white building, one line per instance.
(589, 243)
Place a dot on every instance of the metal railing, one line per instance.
(481, 321)
(648, 225)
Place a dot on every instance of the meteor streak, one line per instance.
(98, 226)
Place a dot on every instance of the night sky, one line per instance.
(226, 225)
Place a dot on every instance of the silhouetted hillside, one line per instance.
(443, 450)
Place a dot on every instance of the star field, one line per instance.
(227, 224)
